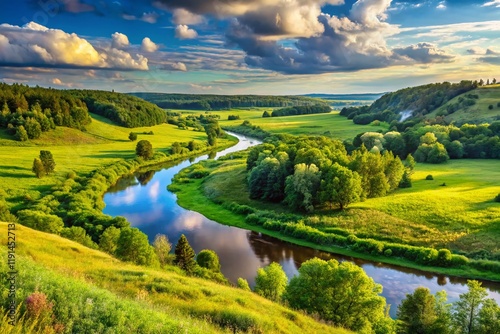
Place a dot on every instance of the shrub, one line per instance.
(255, 219)
(490, 107)
(459, 260)
(41, 221)
(144, 149)
(132, 136)
(208, 259)
(497, 198)
(243, 284)
(429, 177)
(388, 252)
(444, 258)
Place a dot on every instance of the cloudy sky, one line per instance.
(248, 46)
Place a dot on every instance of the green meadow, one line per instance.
(331, 125)
(91, 291)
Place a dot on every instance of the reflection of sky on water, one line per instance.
(150, 207)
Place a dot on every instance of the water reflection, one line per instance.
(145, 202)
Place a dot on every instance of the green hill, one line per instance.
(91, 292)
(472, 107)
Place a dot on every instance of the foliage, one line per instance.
(466, 310)
(144, 149)
(78, 234)
(132, 136)
(208, 259)
(21, 134)
(233, 117)
(38, 168)
(340, 293)
(271, 282)
(302, 186)
(429, 177)
(341, 186)
(243, 284)
(41, 221)
(162, 249)
(48, 161)
(184, 255)
(302, 110)
(108, 240)
(133, 246)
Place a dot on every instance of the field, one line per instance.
(81, 152)
(478, 113)
(331, 125)
(95, 288)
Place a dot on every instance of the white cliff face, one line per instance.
(405, 115)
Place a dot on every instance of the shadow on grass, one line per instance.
(15, 175)
(111, 154)
(15, 168)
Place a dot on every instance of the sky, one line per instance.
(277, 47)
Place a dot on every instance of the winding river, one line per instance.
(144, 200)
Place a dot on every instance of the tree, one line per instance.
(302, 186)
(109, 239)
(184, 255)
(144, 149)
(162, 248)
(489, 318)
(266, 114)
(271, 282)
(340, 186)
(176, 148)
(133, 246)
(38, 168)
(41, 221)
(243, 284)
(21, 134)
(48, 161)
(132, 136)
(393, 169)
(466, 309)
(78, 234)
(208, 259)
(423, 313)
(341, 293)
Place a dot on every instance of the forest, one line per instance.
(221, 102)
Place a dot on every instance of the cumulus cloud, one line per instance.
(178, 66)
(424, 53)
(36, 45)
(119, 40)
(182, 31)
(476, 50)
(183, 16)
(148, 45)
(493, 3)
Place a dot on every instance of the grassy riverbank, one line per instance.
(91, 291)
(380, 219)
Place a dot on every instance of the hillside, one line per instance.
(221, 102)
(472, 107)
(91, 291)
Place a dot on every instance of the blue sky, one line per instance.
(248, 46)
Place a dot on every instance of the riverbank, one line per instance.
(191, 194)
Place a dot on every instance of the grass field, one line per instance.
(478, 113)
(65, 269)
(81, 152)
(331, 125)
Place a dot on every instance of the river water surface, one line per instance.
(145, 201)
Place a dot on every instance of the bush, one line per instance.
(429, 177)
(459, 260)
(388, 252)
(144, 149)
(497, 198)
(132, 136)
(444, 258)
(490, 107)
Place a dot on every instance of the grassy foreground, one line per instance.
(461, 216)
(92, 291)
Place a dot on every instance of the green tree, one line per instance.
(423, 313)
(132, 136)
(109, 239)
(489, 318)
(162, 248)
(78, 234)
(341, 293)
(340, 186)
(266, 114)
(41, 221)
(184, 255)
(48, 161)
(243, 284)
(33, 128)
(144, 149)
(393, 169)
(38, 168)
(466, 309)
(209, 259)
(301, 187)
(271, 282)
(21, 134)
(176, 148)
(133, 246)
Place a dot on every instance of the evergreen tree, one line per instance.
(38, 168)
(48, 161)
(184, 255)
(21, 134)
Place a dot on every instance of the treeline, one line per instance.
(28, 111)
(307, 172)
(248, 129)
(218, 102)
(301, 110)
(435, 143)
(416, 101)
(123, 109)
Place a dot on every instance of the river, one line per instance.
(145, 201)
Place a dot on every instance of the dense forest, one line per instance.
(412, 101)
(218, 102)
(28, 111)
(301, 110)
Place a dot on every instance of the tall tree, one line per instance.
(48, 161)
(162, 248)
(271, 282)
(108, 240)
(466, 309)
(489, 318)
(340, 186)
(184, 255)
(38, 168)
(133, 246)
(301, 188)
(341, 293)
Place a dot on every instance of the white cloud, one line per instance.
(182, 31)
(151, 17)
(183, 16)
(36, 45)
(179, 66)
(494, 3)
(441, 5)
(119, 40)
(57, 81)
(148, 45)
